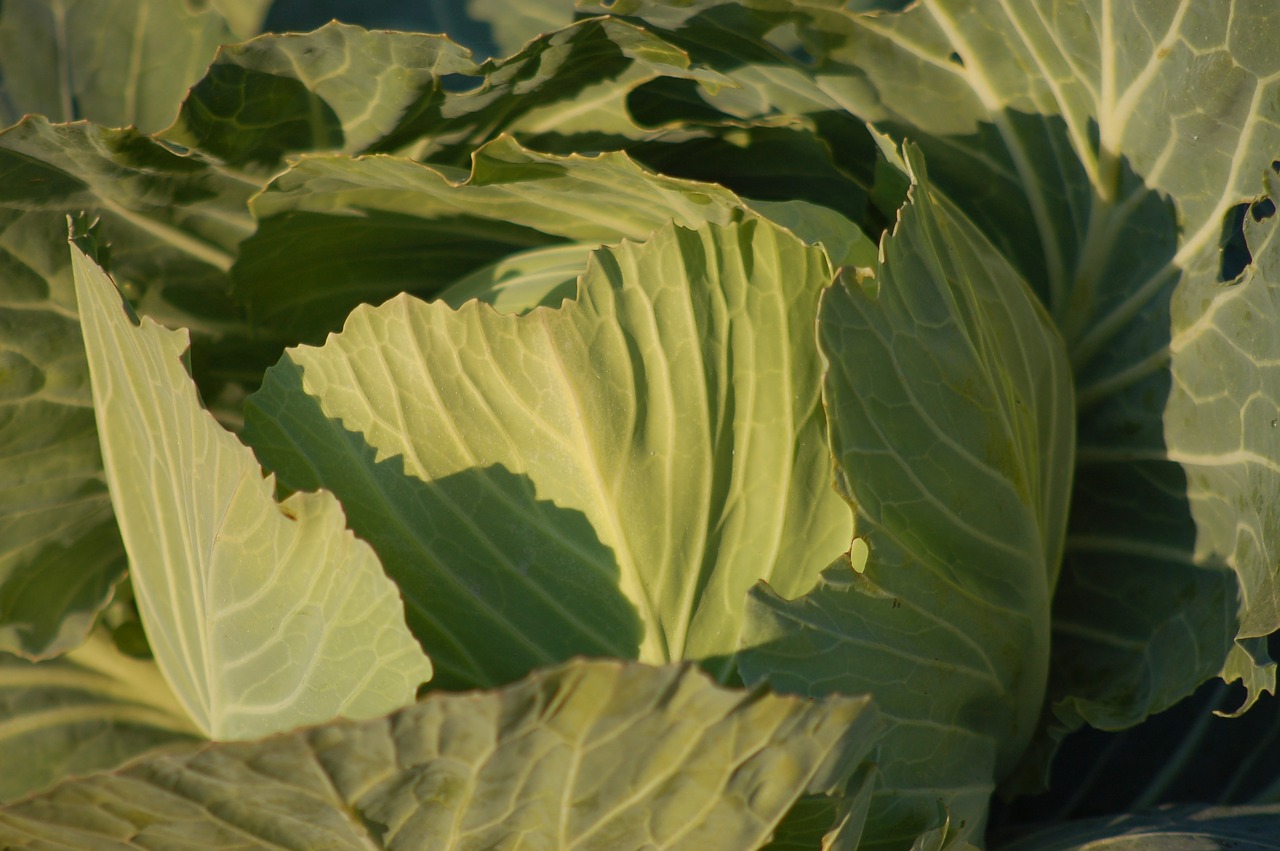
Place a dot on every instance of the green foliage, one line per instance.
(920, 362)
(263, 616)
(549, 759)
(656, 450)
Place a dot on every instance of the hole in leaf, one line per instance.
(1275, 166)
(955, 57)
(1235, 251)
(1264, 209)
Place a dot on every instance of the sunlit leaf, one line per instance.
(609, 478)
(263, 616)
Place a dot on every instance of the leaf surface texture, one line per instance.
(263, 616)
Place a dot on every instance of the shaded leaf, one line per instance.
(454, 17)
(115, 62)
(1189, 753)
(951, 420)
(340, 88)
(1169, 829)
(335, 232)
(1071, 133)
(280, 94)
(845, 243)
(171, 223)
(1222, 419)
(91, 710)
(512, 23)
(549, 275)
(828, 822)
(551, 760)
(769, 132)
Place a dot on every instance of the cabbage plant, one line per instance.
(650, 424)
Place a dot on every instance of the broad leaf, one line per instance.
(312, 91)
(339, 88)
(1093, 128)
(774, 163)
(756, 134)
(335, 232)
(548, 276)
(171, 223)
(809, 823)
(951, 420)
(769, 132)
(262, 616)
(116, 62)
(609, 478)
(550, 762)
(1222, 420)
(1070, 134)
(91, 710)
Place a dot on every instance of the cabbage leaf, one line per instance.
(609, 478)
(262, 615)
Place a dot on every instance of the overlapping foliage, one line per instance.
(917, 365)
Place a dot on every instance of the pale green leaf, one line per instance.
(440, 16)
(828, 822)
(1250, 664)
(115, 62)
(91, 710)
(598, 755)
(599, 113)
(952, 424)
(262, 616)
(609, 478)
